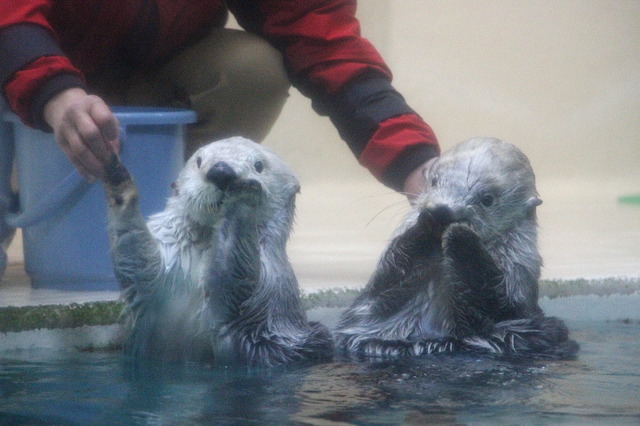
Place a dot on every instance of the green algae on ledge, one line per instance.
(20, 318)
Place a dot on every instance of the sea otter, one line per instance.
(461, 272)
(208, 279)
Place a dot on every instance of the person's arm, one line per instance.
(347, 80)
(42, 86)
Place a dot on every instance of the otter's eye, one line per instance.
(199, 161)
(259, 166)
(434, 181)
(487, 200)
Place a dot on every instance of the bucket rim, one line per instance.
(138, 115)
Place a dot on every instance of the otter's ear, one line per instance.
(533, 202)
(174, 187)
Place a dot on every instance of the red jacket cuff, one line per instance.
(32, 87)
(399, 145)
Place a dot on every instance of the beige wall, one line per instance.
(561, 79)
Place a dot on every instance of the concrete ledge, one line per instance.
(83, 338)
(584, 287)
(86, 326)
(95, 325)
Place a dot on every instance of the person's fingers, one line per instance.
(107, 123)
(91, 137)
(89, 132)
(415, 183)
(67, 141)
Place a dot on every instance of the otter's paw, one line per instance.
(425, 222)
(373, 347)
(118, 184)
(115, 172)
(471, 266)
(247, 192)
(540, 337)
(429, 347)
(460, 241)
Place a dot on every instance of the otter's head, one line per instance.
(222, 172)
(485, 183)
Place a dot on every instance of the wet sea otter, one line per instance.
(461, 273)
(209, 278)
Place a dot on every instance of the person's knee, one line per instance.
(255, 67)
(234, 80)
(249, 93)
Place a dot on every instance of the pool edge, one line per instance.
(95, 325)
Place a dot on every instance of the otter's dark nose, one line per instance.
(436, 219)
(442, 215)
(221, 174)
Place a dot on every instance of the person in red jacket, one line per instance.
(63, 62)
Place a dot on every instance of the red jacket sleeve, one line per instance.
(346, 78)
(122, 35)
(30, 88)
(33, 68)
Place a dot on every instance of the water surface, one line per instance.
(601, 386)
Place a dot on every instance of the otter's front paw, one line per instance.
(467, 258)
(247, 192)
(461, 243)
(425, 222)
(115, 172)
(118, 184)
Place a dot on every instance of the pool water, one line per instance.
(601, 386)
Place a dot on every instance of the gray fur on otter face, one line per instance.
(485, 183)
(209, 181)
(209, 278)
(461, 272)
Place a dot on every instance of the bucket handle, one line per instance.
(73, 186)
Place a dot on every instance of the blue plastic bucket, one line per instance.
(64, 218)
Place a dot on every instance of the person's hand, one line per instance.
(416, 181)
(85, 129)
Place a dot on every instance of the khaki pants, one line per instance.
(235, 82)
